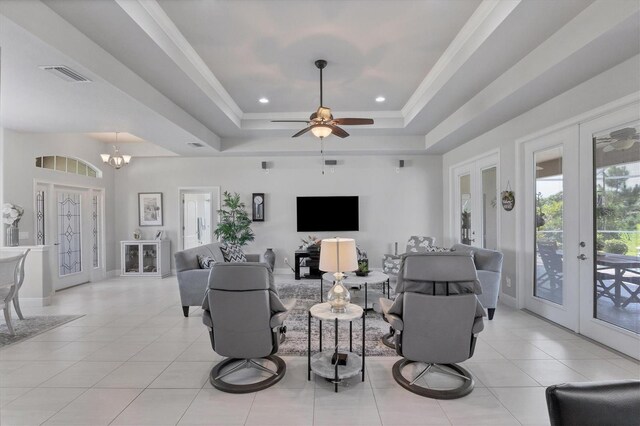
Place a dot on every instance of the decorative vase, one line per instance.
(13, 236)
(270, 258)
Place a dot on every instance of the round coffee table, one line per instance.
(351, 280)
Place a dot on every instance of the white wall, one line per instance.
(19, 173)
(393, 205)
(612, 84)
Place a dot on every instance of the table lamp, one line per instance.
(338, 255)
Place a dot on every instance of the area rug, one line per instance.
(31, 326)
(307, 294)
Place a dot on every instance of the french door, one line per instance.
(582, 228)
(476, 202)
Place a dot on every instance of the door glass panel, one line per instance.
(149, 258)
(40, 236)
(617, 224)
(489, 209)
(549, 206)
(69, 234)
(131, 258)
(95, 228)
(465, 209)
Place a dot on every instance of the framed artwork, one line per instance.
(257, 207)
(150, 208)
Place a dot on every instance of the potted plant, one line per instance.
(234, 226)
(363, 268)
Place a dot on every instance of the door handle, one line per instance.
(582, 257)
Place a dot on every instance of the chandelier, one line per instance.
(116, 160)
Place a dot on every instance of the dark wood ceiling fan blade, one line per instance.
(290, 121)
(338, 131)
(353, 121)
(302, 132)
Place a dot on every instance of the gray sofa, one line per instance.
(192, 280)
(489, 266)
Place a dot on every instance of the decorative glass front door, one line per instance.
(69, 233)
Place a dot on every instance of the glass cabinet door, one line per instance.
(131, 258)
(149, 258)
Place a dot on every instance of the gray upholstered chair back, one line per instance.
(428, 273)
(418, 243)
(239, 297)
(485, 259)
(438, 306)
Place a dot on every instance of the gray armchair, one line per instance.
(489, 266)
(245, 318)
(192, 280)
(436, 317)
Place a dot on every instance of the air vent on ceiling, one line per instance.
(195, 144)
(65, 73)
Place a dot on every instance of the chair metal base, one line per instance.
(216, 375)
(389, 339)
(464, 389)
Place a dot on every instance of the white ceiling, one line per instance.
(173, 72)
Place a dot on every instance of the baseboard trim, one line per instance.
(509, 300)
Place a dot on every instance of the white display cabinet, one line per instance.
(145, 258)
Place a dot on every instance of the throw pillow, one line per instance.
(434, 249)
(206, 262)
(232, 253)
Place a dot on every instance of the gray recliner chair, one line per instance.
(489, 267)
(436, 317)
(245, 318)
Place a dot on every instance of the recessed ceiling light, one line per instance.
(263, 100)
(380, 99)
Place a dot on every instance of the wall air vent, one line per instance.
(65, 73)
(195, 144)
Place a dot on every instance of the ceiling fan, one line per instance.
(321, 123)
(619, 140)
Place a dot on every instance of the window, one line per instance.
(67, 165)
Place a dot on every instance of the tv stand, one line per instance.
(313, 272)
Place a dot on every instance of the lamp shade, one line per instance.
(338, 255)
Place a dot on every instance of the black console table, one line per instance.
(314, 273)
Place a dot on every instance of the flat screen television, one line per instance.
(324, 214)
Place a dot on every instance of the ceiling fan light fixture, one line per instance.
(321, 131)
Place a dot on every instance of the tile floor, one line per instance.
(133, 359)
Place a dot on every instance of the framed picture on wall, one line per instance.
(257, 207)
(150, 208)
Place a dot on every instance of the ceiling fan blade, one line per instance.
(302, 132)
(353, 121)
(338, 131)
(290, 121)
